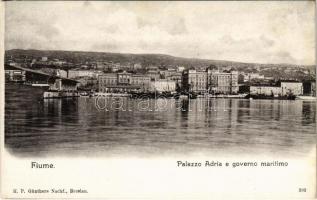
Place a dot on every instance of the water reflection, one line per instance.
(217, 126)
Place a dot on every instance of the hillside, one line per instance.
(144, 59)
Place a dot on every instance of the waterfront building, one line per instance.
(123, 82)
(283, 88)
(163, 85)
(294, 88)
(194, 81)
(107, 80)
(266, 90)
(140, 80)
(222, 82)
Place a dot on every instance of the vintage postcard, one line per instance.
(158, 100)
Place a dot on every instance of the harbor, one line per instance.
(171, 83)
(150, 127)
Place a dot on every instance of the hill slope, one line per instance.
(144, 59)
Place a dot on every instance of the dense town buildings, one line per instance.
(139, 76)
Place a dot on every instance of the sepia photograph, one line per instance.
(176, 99)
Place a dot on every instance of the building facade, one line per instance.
(194, 81)
(222, 82)
(172, 75)
(126, 82)
(266, 90)
(177, 77)
(107, 80)
(140, 80)
(154, 75)
(163, 85)
(292, 88)
(284, 89)
(124, 78)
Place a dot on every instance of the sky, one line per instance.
(250, 31)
